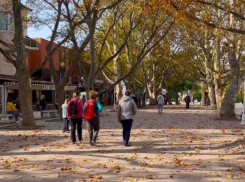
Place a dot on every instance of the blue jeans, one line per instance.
(42, 108)
(160, 107)
(66, 125)
(127, 125)
(15, 113)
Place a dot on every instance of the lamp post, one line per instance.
(243, 108)
(114, 94)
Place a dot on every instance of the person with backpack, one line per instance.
(64, 116)
(125, 111)
(91, 109)
(74, 114)
(160, 103)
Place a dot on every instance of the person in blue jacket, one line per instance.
(91, 110)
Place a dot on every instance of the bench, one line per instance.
(7, 118)
(51, 113)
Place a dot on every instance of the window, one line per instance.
(6, 22)
(3, 21)
(11, 23)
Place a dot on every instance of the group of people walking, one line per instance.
(76, 111)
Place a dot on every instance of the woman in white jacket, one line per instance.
(64, 116)
(125, 112)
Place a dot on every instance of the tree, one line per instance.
(17, 55)
(151, 31)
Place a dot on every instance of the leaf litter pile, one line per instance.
(179, 144)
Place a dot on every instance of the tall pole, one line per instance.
(243, 110)
(114, 98)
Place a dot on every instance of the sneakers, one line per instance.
(93, 143)
(127, 145)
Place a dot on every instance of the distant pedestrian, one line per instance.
(74, 113)
(160, 103)
(43, 105)
(126, 110)
(91, 109)
(187, 100)
(64, 116)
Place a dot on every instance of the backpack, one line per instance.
(73, 108)
(90, 110)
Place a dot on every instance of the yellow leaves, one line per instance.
(82, 179)
(132, 157)
(102, 165)
(27, 149)
(84, 160)
(231, 151)
(197, 150)
(229, 175)
(219, 158)
(133, 179)
(103, 151)
(120, 179)
(116, 167)
(95, 176)
(65, 168)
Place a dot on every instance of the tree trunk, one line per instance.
(152, 98)
(91, 78)
(22, 71)
(211, 95)
(119, 92)
(60, 93)
(217, 66)
(25, 94)
(229, 100)
(143, 99)
(209, 73)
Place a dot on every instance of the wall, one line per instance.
(35, 58)
(6, 68)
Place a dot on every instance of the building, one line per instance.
(43, 76)
(7, 70)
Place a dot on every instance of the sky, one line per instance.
(36, 33)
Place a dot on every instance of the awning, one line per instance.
(15, 86)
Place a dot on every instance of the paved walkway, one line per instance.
(178, 146)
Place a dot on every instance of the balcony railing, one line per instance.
(31, 42)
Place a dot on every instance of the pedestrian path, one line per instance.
(178, 146)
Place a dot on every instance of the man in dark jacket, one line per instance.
(187, 100)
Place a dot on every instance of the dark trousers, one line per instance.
(76, 122)
(187, 105)
(127, 125)
(66, 124)
(93, 126)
